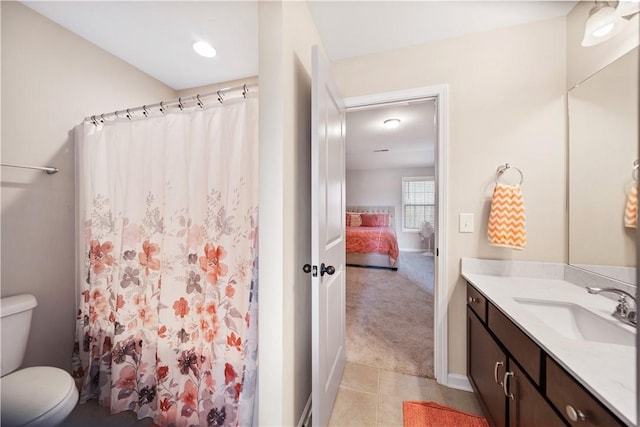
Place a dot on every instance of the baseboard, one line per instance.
(305, 418)
(460, 382)
(411, 250)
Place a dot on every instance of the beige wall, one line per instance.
(287, 33)
(51, 80)
(584, 61)
(506, 104)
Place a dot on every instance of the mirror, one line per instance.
(603, 146)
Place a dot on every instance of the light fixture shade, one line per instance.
(391, 123)
(603, 23)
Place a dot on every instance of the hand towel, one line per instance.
(507, 225)
(631, 210)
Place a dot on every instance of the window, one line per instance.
(418, 202)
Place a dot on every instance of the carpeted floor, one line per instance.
(390, 316)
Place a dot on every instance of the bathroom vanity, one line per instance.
(542, 351)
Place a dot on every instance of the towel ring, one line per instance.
(503, 168)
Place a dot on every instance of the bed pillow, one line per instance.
(354, 219)
(375, 220)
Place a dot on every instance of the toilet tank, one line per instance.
(15, 322)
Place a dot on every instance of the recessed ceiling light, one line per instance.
(204, 49)
(391, 123)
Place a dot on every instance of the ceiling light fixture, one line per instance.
(203, 48)
(607, 19)
(391, 123)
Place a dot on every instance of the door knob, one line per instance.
(308, 268)
(329, 269)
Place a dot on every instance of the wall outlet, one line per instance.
(466, 223)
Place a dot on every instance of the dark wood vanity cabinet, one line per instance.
(516, 383)
(486, 358)
(518, 403)
(528, 406)
(574, 401)
(509, 397)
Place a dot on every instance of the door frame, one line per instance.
(440, 92)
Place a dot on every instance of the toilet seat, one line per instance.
(37, 396)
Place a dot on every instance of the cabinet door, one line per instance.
(528, 408)
(484, 358)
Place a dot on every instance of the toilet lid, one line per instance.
(31, 392)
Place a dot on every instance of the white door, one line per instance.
(327, 239)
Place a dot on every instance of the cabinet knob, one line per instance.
(472, 300)
(575, 414)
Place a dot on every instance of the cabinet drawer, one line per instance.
(521, 347)
(563, 391)
(477, 302)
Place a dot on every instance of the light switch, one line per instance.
(466, 223)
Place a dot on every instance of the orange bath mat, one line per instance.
(431, 414)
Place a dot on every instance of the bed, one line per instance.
(371, 239)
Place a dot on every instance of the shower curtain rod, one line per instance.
(50, 170)
(177, 102)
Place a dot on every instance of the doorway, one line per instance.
(437, 95)
(390, 174)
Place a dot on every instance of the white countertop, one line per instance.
(608, 371)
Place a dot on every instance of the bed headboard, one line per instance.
(391, 210)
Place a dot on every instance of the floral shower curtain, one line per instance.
(167, 269)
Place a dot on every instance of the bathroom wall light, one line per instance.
(391, 123)
(607, 19)
(203, 48)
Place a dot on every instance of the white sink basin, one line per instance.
(576, 322)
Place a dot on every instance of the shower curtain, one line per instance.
(167, 264)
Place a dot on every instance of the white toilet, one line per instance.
(38, 396)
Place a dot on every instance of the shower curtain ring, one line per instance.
(200, 104)
(102, 119)
(115, 113)
(94, 120)
(180, 105)
(244, 91)
(162, 107)
(145, 111)
(128, 114)
(220, 97)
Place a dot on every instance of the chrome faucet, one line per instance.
(623, 312)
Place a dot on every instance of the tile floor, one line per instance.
(367, 397)
(373, 397)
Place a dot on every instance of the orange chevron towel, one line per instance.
(631, 210)
(507, 225)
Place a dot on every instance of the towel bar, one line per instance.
(503, 168)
